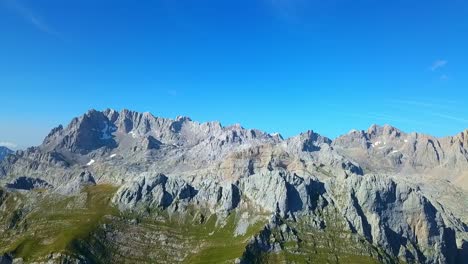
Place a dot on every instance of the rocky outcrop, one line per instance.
(397, 217)
(282, 193)
(4, 151)
(161, 191)
(26, 183)
(220, 197)
(76, 184)
(156, 191)
(6, 259)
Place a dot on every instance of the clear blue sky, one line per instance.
(277, 65)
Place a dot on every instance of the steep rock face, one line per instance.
(397, 217)
(282, 193)
(160, 191)
(152, 191)
(268, 191)
(220, 197)
(84, 134)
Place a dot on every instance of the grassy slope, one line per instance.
(52, 225)
(86, 225)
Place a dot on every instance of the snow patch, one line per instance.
(377, 143)
(90, 162)
(133, 134)
(395, 151)
(406, 141)
(113, 155)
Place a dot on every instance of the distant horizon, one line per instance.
(278, 66)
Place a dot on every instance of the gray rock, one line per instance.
(397, 217)
(152, 190)
(4, 151)
(75, 186)
(5, 259)
(27, 183)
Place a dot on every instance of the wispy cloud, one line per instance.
(439, 104)
(386, 118)
(9, 145)
(29, 16)
(444, 109)
(451, 117)
(438, 64)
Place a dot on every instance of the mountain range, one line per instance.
(129, 187)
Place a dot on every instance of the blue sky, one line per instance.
(277, 65)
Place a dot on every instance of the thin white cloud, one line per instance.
(451, 117)
(385, 118)
(30, 16)
(414, 103)
(444, 105)
(438, 64)
(9, 145)
(442, 109)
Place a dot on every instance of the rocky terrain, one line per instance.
(129, 187)
(4, 151)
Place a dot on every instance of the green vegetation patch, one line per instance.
(55, 222)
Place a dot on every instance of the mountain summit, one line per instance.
(4, 151)
(175, 190)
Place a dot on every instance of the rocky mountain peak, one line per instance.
(84, 134)
(4, 151)
(308, 141)
(183, 118)
(462, 137)
(373, 129)
(385, 130)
